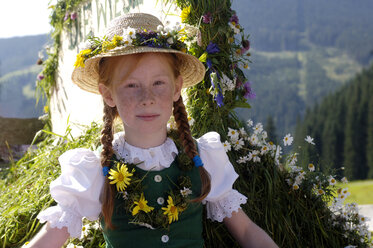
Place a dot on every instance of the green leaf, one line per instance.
(241, 105)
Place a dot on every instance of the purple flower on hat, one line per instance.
(40, 77)
(234, 19)
(212, 48)
(207, 18)
(73, 16)
(248, 91)
(66, 17)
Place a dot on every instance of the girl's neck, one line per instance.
(145, 140)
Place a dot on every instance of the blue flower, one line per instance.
(212, 48)
(209, 63)
(219, 99)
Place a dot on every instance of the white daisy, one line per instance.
(227, 146)
(311, 167)
(264, 150)
(344, 180)
(249, 123)
(242, 160)
(96, 225)
(127, 40)
(190, 121)
(233, 134)
(185, 192)
(332, 181)
(243, 132)
(254, 140)
(258, 128)
(159, 28)
(295, 186)
(238, 144)
(288, 140)
(170, 41)
(131, 32)
(254, 155)
(309, 140)
(85, 231)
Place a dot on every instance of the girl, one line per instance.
(146, 187)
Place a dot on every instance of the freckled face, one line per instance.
(144, 95)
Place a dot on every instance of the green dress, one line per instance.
(186, 232)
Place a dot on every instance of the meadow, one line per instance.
(361, 191)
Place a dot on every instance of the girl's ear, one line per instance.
(106, 94)
(178, 87)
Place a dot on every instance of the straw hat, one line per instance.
(86, 76)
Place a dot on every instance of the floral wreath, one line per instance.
(164, 37)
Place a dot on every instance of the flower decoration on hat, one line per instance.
(163, 37)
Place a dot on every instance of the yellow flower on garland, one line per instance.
(185, 13)
(171, 210)
(108, 45)
(116, 40)
(121, 176)
(80, 57)
(141, 205)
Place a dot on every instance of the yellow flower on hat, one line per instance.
(108, 45)
(116, 40)
(171, 210)
(80, 57)
(121, 176)
(141, 205)
(185, 13)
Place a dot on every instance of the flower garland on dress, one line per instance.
(129, 186)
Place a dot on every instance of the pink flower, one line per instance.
(248, 91)
(207, 18)
(66, 17)
(245, 46)
(73, 16)
(40, 77)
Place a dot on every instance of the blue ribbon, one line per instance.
(197, 161)
(105, 170)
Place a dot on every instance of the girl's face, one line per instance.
(143, 94)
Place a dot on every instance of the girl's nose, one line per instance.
(147, 97)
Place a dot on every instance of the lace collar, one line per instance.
(154, 158)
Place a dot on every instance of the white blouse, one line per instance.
(77, 190)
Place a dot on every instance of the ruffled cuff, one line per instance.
(230, 202)
(58, 217)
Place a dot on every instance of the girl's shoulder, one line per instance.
(210, 140)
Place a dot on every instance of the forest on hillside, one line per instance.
(18, 74)
(342, 126)
(301, 52)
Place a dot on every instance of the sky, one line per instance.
(24, 17)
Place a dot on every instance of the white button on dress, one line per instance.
(158, 178)
(165, 238)
(160, 200)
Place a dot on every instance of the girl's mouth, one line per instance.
(147, 117)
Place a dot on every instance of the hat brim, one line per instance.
(87, 77)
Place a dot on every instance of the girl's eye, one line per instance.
(158, 82)
(131, 85)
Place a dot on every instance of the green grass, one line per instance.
(361, 191)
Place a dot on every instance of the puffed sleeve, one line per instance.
(77, 191)
(222, 199)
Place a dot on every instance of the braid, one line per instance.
(106, 155)
(181, 119)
